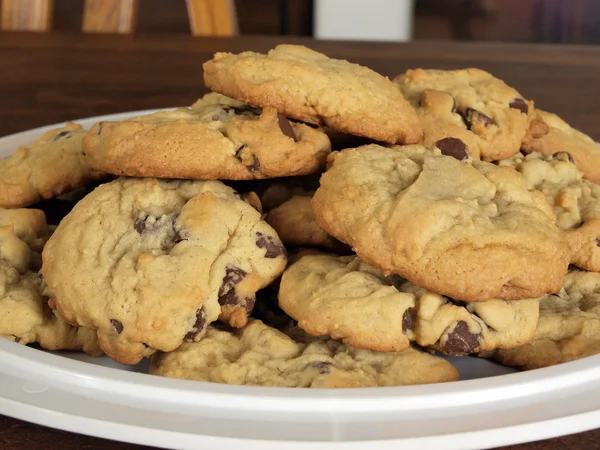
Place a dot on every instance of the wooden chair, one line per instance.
(206, 17)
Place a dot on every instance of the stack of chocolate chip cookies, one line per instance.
(310, 223)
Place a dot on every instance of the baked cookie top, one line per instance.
(25, 316)
(217, 138)
(342, 297)
(50, 166)
(309, 86)
(150, 263)
(490, 117)
(263, 356)
(296, 225)
(576, 201)
(472, 231)
(568, 327)
(561, 137)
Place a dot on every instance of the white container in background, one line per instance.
(369, 20)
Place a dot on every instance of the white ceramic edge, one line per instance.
(64, 373)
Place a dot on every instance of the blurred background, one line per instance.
(556, 21)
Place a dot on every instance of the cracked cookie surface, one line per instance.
(576, 201)
(259, 355)
(568, 327)
(558, 136)
(309, 86)
(47, 168)
(490, 117)
(472, 231)
(342, 297)
(25, 316)
(150, 263)
(217, 138)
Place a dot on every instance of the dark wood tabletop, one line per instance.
(48, 78)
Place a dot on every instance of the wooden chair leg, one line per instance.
(212, 17)
(27, 15)
(110, 16)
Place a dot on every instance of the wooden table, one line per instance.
(47, 78)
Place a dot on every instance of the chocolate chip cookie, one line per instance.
(217, 138)
(309, 86)
(259, 355)
(342, 297)
(150, 263)
(25, 316)
(296, 225)
(50, 166)
(576, 201)
(468, 230)
(561, 137)
(490, 117)
(568, 327)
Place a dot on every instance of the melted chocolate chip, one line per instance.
(243, 109)
(394, 280)
(323, 367)
(118, 326)
(286, 128)
(17, 339)
(453, 147)
(144, 226)
(407, 320)
(238, 152)
(198, 326)
(255, 166)
(520, 104)
(562, 155)
(461, 341)
(472, 116)
(227, 292)
(62, 134)
(273, 248)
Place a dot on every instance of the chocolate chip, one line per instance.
(520, 104)
(453, 147)
(255, 166)
(562, 155)
(323, 367)
(274, 249)
(62, 134)
(118, 326)
(243, 109)
(472, 116)
(198, 326)
(394, 280)
(17, 339)
(145, 225)
(286, 128)
(227, 292)
(598, 242)
(238, 152)
(461, 341)
(407, 320)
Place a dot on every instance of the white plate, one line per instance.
(491, 406)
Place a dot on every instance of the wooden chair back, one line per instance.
(206, 17)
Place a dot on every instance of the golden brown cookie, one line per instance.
(217, 138)
(47, 168)
(471, 231)
(490, 117)
(309, 86)
(259, 355)
(561, 137)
